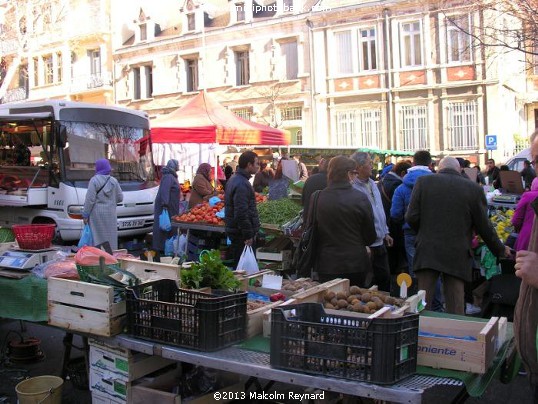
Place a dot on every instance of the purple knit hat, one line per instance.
(102, 166)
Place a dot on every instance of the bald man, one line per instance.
(444, 210)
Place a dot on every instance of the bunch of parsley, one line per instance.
(209, 271)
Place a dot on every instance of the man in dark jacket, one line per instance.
(444, 210)
(241, 215)
(314, 183)
(492, 173)
(526, 311)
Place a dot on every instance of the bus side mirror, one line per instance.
(61, 135)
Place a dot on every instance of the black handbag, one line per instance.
(306, 250)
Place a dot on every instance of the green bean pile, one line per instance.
(278, 212)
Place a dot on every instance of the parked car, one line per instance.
(516, 162)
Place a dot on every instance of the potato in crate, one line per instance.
(307, 338)
(160, 311)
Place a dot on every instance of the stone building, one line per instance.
(400, 75)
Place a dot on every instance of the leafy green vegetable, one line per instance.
(278, 212)
(209, 272)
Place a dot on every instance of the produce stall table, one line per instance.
(24, 299)
(256, 365)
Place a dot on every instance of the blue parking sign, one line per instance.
(491, 142)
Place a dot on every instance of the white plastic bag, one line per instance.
(247, 261)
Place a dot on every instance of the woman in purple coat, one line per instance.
(524, 216)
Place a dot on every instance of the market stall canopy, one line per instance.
(204, 120)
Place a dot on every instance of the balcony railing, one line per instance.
(15, 94)
(9, 46)
(90, 82)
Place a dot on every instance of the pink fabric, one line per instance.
(524, 216)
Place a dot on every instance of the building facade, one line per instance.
(56, 49)
(401, 75)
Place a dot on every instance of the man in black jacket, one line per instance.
(241, 214)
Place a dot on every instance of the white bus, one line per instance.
(48, 151)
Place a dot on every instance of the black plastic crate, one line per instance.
(160, 311)
(307, 339)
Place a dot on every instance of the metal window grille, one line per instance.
(463, 129)
(245, 113)
(367, 50)
(292, 113)
(414, 124)
(369, 127)
(345, 128)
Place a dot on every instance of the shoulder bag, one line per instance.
(306, 250)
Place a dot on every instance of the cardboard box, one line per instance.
(85, 307)
(162, 392)
(465, 345)
(123, 363)
(99, 398)
(108, 385)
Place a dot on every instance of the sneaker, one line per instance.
(472, 309)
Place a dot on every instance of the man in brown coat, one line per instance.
(445, 209)
(526, 311)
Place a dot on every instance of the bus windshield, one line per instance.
(29, 146)
(126, 147)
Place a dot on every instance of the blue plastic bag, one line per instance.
(169, 245)
(214, 200)
(164, 221)
(86, 238)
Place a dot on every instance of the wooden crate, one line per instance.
(248, 280)
(312, 295)
(85, 307)
(436, 348)
(150, 271)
